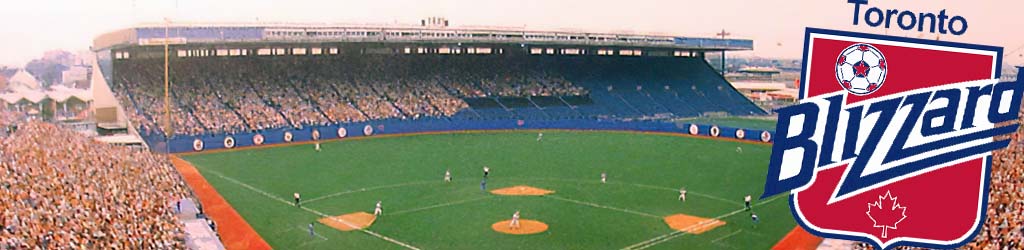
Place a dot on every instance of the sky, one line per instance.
(30, 27)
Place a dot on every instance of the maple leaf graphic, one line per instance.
(885, 216)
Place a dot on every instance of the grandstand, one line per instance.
(243, 85)
(244, 80)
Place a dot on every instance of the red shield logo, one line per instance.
(891, 141)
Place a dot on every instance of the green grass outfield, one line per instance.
(734, 122)
(645, 172)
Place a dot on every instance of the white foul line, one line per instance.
(669, 236)
(367, 189)
(314, 233)
(322, 238)
(318, 213)
(689, 192)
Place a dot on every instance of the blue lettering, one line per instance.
(784, 141)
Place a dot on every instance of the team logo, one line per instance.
(715, 131)
(368, 130)
(766, 136)
(740, 133)
(288, 136)
(694, 129)
(342, 132)
(904, 165)
(197, 145)
(257, 139)
(861, 69)
(229, 142)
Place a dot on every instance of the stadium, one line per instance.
(423, 136)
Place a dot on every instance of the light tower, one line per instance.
(168, 130)
(723, 34)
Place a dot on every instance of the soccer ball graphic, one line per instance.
(861, 69)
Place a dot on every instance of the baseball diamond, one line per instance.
(424, 212)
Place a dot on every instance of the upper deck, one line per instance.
(183, 33)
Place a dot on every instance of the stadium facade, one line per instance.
(430, 77)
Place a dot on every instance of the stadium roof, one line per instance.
(187, 33)
(759, 86)
(760, 70)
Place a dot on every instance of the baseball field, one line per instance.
(421, 211)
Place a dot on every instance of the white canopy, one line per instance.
(56, 93)
(120, 139)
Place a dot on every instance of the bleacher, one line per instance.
(232, 95)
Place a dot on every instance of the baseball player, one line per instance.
(515, 221)
(297, 199)
(682, 194)
(316, 146)
(540, 136)
(487, 171)
(746, 201)
(310, 230)
(448, 176)
(378, 211)
(604, 177)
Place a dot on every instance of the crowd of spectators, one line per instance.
(8, 118)
(1004, 224)
(61, 190)
(1004, 219)
(234, 94)
(148, 111)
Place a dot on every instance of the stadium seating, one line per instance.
(227, 95)
(67, 191)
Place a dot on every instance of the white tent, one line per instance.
(61, 93)
(56, 93)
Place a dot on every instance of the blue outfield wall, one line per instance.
(183, 143)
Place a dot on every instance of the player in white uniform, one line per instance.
(448, 176)
(379, 210)
(682, 194)
(515, 221)
(746, 201)
(487, 171)
(296, 199)
(316, 146)
(604, 177)
(540, 136)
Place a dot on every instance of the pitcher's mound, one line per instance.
(521, 190)
(525, 227)
(349, 222)
(692, 224)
